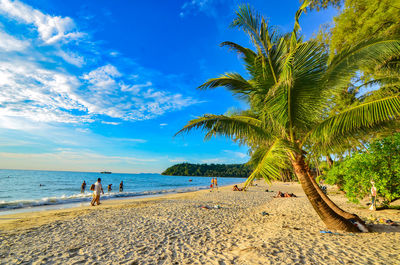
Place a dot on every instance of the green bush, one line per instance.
(381, 163)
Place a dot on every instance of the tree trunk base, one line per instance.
(333, 217)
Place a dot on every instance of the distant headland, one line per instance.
(212, 170)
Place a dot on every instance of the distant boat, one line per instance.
(105, 172)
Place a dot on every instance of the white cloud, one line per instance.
(32, 92)
(50, 28)
(82, 130)
(72, 58)
(135, 88)
(64, 159)
(193, 5)
(35, 85)
(236, 154)
(102, 78)
(109, 94)
(132, 140)
(209, 7)
(114, 53)
(29, 91)
(18, 143)
(8, 43)
(163, 124)
(110, 122)
(17, 123)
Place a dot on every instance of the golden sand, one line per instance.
(203, 227)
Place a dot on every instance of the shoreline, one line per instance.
(22, 215)
(201, 227)
(62, 201)
(88, 198)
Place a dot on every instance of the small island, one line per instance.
(212, 170)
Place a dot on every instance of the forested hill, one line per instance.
(213, 170)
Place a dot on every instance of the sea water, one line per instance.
(30, 190)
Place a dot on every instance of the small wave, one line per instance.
(85, 197)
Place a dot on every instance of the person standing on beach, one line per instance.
(83, 187)
(96, 193)
(373, 196)
(212, 184)
(215, 183)
(121, 186)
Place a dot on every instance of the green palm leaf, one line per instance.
(367, 116)
(270, 161)
(262, 36)
(296, 28)
(370, 52)
(307, 98)
(232, 81)
(245, 128)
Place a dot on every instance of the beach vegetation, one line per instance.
(289, 87)
(380, 162)
(359, 20)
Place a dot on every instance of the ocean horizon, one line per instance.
(33, 190)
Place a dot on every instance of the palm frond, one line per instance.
(344, 65)
(296, 28)
(270, 161)
(232, 81)
(262, 36)
(245, 128)
(250, 57)
(352, 140)
(245, 52)
(367, 116)
(307, 99)
(249, 21)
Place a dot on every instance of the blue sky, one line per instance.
(104, 85)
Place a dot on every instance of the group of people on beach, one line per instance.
(97, 189)
(109, 187)
(214, 184)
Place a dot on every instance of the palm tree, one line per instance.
(290, 85)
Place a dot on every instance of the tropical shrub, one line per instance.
(381, 163)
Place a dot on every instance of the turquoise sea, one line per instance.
(31, 190)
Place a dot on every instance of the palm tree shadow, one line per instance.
(384, 228)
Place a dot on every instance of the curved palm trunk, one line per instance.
(332, 205)
(331, 218)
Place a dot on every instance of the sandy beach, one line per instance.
(202, 227)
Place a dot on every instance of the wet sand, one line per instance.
(202, 227)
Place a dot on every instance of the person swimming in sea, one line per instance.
(109, 187)
(121, 186)
(83, 187)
